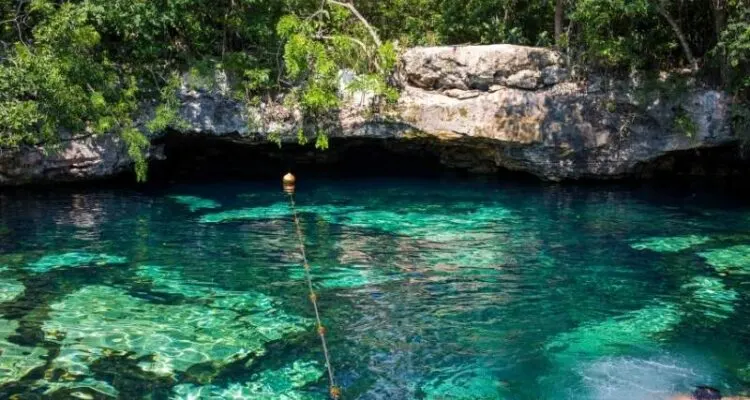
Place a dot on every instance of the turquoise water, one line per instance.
(431, 289)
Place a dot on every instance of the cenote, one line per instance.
(431, 288)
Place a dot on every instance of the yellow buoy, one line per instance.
(288, 182)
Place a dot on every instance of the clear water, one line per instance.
(431, 289)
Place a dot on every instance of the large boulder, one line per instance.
(476, 67)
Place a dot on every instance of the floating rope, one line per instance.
(288, 183)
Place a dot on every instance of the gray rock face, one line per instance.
(563, 132)
(72, 160)
(481, 108)
(476, 67)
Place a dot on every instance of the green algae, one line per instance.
(286, 383)
(352, 277)
(10, 289)
(195, 203)
(73, 259)
(711, 298)
(730, 260)
(97, 320)
(475, 384)
(671, 244)
(16, 361)
(636, 329)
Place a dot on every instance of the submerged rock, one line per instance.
(279, 210)
(10, 289)
(276, 211)
(711, 298)
(669, 244)
(88, 388)
(195, 203)
(286, 383)
(17, 361)
(433, 226)
(731, 260)
(98, 320)
(473, 384)
(352, 277)
(73, 259)
(634, 330)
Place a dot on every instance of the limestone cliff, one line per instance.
(480, 108)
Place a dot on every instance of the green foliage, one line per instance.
(318, 47)
(616, 31)
(735, 44)
(683, 123)
(88, 67)
(321, 141)
(137, 145)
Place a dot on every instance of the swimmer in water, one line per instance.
(706, 393)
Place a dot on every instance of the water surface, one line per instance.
(431, 289)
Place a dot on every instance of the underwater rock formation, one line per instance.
(16, 361)
(10, 289)
(195, 203)
(476, 383)
(733, 260)
(285, 383)
(355, 276)
(711, 298)
(669, 244)
(97, 321)
(73, 259)
(477, 108)
(637, 329)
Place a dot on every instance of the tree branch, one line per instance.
(680, 36)
(359, 16)
(358, 42)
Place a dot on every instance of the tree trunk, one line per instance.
(558, 22)
(680, 36)
(719, 8)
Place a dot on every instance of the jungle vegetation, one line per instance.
(89, 66)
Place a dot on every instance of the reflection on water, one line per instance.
(430, 289)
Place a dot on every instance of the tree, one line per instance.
(558, 21)
(661, 7)
(719, 8)
(330, 38)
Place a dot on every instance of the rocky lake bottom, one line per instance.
(429, 288)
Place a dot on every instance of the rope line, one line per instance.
(334, 391)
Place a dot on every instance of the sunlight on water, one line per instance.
(429, 290)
